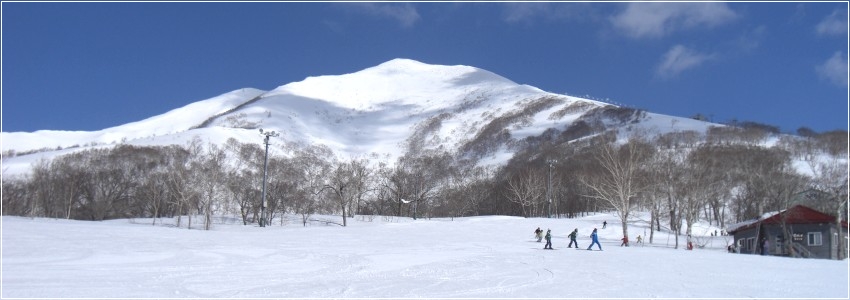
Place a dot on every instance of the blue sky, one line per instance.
(90, 66)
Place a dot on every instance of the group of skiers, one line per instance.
(573, 235)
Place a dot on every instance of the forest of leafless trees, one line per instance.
(725, 175)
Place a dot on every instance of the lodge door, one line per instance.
(780, 246)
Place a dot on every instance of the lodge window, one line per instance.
(815, 238)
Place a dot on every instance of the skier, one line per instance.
(595, 240)
(548, 239)
(604, 223)
(625, 240)
(639, 240)
(573, 236)
(539, 234)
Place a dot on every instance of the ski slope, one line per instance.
(387, 257)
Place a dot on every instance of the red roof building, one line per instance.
(799, 231)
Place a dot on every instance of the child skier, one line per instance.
(595, 240)
(625, 240)
(573, 236)
(548, 239)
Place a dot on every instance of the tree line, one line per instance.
(726, 174)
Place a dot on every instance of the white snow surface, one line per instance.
(389, 257)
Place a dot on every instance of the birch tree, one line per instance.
(526, 188)
(617, 181)
(829, 165)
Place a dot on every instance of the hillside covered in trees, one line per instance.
(726, 175)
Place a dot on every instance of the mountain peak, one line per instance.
(407, 66)
(397, 81)
(402, 63)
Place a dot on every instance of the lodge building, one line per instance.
(813, 234)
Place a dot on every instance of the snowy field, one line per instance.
(383, 257)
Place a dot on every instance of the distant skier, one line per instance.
(595, 240)
(548, 239)
(573, 236)
(604, 224)
(625, 240)
(639, 240)
(539, 234)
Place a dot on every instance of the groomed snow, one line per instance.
(387, 257)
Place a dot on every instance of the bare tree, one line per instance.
(341, 186)
(242, 191)
(14, 196)
(242, 176)
(695, 187)
(361, 185)
(210, 165)
(617, 183)
(396, 183)
(108, 189)
(425, 179)
(182, 181)
(526, 188)
(153, 191)
(786, 185)
(670, 168)
(830, 177)
(466, 190)
(312, 168)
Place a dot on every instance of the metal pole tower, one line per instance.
(549, 189)
(263, 205)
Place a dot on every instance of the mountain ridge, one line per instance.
(398, 106)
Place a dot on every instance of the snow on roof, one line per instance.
(798, 214)
(746, 223)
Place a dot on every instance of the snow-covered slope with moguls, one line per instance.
(388, 110)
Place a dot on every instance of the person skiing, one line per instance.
(595, 240)
(604, 223)
(573, 236)
(548, 239)
(625, 240)
(538, 234)
(639, 240)
(690, 245)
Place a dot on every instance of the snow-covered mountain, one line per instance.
(399, 106)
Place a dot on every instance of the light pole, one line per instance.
(268, 134)
(549, 189)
